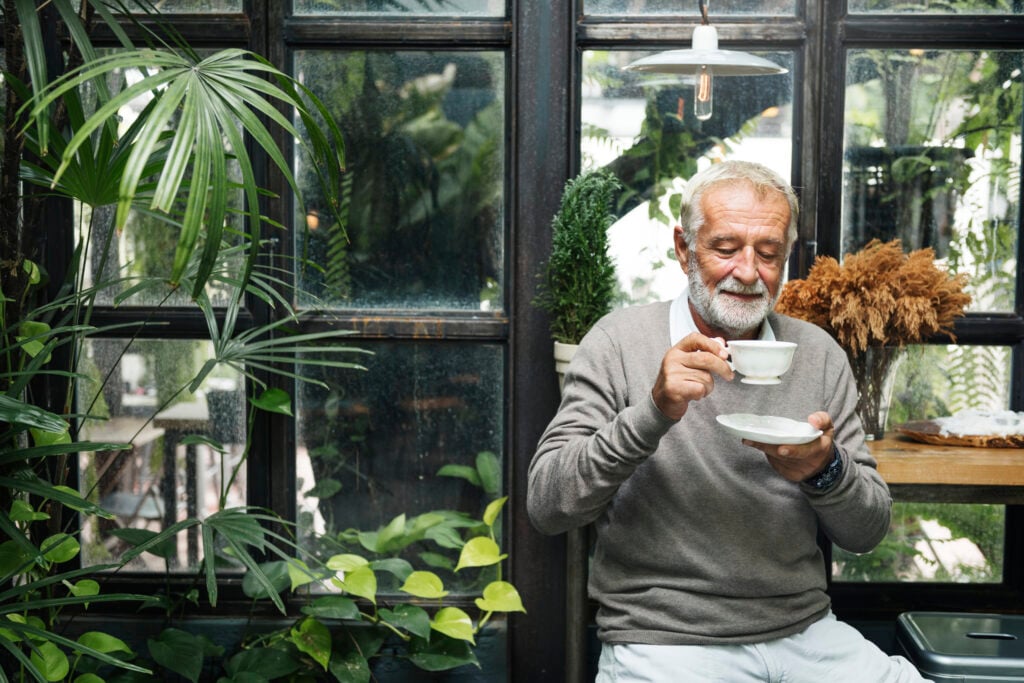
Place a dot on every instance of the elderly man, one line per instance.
(706, 565)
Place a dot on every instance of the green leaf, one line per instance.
(276, 572)
(21, 511)
(166, 548)
(388, 535)
(437, 560)
(410, 618)
(88, 678)
(441, 653)
(313, 638)
(84, 588)
(350, 667)
(103, 642)
(360, 581)
(37, 333)
(49, 659)
(345, 562)
(493, 509)
(21, 413)
(268, 662)
(423, 584)
(396, 566)
(500, 596)
(489, 466)
(42, 437)
(234, 524)
(60, 548)
(480, 552)
(446, 537)
(12, 558)
(324, 488)
(179, 651)
(299, 573)
(332, 607)
(274, 401)
(453, 622)
(460, 471)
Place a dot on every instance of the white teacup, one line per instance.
(760, 361)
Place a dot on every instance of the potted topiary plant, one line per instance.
(578, 284)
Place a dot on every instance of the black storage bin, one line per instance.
(959, 646)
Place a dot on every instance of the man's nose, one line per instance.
(745, 266)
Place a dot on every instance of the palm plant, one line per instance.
(172, 164)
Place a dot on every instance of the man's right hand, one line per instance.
(686, 373)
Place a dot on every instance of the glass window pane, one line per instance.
(642, 127)
(425, 153)
(199, 6)
(377, 444)
(676, 8)
(932, 7)
(464, 8)
(932, 542)
(932, 157)
(139, 257)
(136, 392)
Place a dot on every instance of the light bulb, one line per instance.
(703, 93)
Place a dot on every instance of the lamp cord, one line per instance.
(703, 5)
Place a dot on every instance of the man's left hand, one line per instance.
(797, 462)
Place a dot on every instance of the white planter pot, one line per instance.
(563, 354)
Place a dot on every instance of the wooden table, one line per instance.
(949, 474)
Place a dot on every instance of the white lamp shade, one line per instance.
(705, 52)
(723, 62)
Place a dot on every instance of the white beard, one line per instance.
(723, 313)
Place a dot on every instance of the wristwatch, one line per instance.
(827, 478)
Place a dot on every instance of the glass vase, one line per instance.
(875, 372)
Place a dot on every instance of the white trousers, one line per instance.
(827, 651)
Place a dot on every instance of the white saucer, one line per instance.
(769, 428)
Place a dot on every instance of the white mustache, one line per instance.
(733, 286)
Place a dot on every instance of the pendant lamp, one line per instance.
(705, 61)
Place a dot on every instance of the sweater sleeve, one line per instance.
(855, 513)
(594, 442)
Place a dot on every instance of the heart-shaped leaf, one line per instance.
(313, 638)
(500, 596)
(424, 585)
(479, 552)
(453, 622)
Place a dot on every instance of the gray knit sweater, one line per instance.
(699, 540)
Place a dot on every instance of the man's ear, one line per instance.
(682, 251)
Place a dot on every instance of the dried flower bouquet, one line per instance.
(875, 303)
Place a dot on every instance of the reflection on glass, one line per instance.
(937, 381)
(642, 127)
(932, 157)
(931, 7)
(461, 8)
(401, 439)
(425, 155)
(932, 542)
(940, 542)
(135, 392)
(677, 8)
(198, 6)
